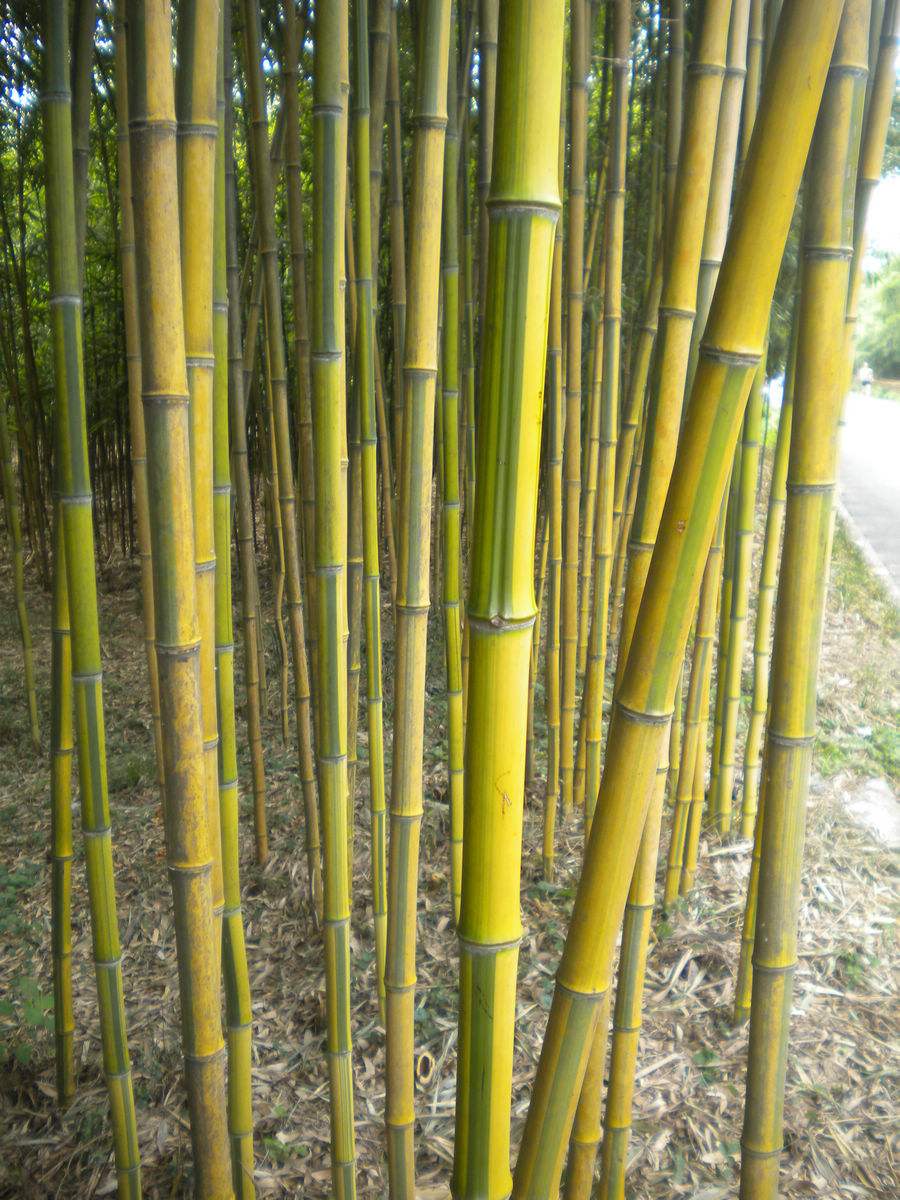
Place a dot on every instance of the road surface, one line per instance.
(870, 480)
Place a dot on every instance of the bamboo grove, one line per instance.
(447, 322)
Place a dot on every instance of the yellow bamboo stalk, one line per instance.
(693, 746)
(523, 206)
(167, 422)
(303, 402)
(413, 566)
(330, 87)
(818, 395)
(639, 726)
(677, 304)
(586, 1127)
(195, 104)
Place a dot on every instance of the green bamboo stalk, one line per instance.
(449, 456)
(84, 23)
(553, 389)
(14, 527)
(681, 269)
(609, 411)
(768, 575)
(586, 1127)
(523, 207)
(745, 512)
(678, 302)
(240, 465)
(639, 727)
(331, 83)
(75, 510)
(355, 567)
(717, 820)
(578, 104)
(414, 509)
(688, 796)
(488, 23)
(238, 1011)
(589, 474)
(544, 543)
(62, 853)
(398, 243)
(195, 103)
(280, 431)
(363, 139)
(299, 296)
(133, 360)
(818, 395)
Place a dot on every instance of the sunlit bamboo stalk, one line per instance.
(195, 105)
(523, 207)
(586, 1127)
(639, 726)
(818, 396)
(167, 424)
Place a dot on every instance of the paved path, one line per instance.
(870, 480)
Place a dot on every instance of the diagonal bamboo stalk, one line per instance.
(639, 727)
(586, 1127)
